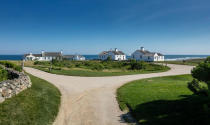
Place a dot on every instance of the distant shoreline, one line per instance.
(94, 57)
(187, 58)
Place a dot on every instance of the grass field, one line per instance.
(95, 73)
(164, 101)
(192, 62)
(84, 68)
(37, 105)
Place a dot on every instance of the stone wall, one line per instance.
(18, 82)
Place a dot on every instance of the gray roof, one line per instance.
(159, 54)
(148, 53)
(103, 53)
(46, 54)
(115, 52)
(118, 52)
(52, 54)
(36, 55)
(68, 56)
(72, 56)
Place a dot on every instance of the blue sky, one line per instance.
(90, 26)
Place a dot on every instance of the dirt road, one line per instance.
(92, 100)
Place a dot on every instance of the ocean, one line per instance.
(94, 57)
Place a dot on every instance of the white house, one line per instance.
(114, 54)
(44, 56)
(144, 55)
(74, 57)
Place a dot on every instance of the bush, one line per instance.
(42, 63)
(202, 74)
(36, 62)
(3, 74)
(135, 65)
(196, 87)
(207, 60)
(11, 65)
(56, 68)
(97, 67)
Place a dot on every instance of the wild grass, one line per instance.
(95, 73)
(98, 68)
(192, 62)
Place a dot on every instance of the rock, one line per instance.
(12, 87)
(1, 99)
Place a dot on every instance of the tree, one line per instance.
(200, 73)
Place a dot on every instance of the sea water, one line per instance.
(95, 57)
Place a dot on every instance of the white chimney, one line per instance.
(43, 53)
(116, 49)
(142, 48)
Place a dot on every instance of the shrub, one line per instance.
(56, 68)
(207, 60)
(78, 65)
(11, 65)
(135, 65)
(3, 74)
(97, 67)
(36, 62)
(42, 63)
(70, 66)
(196, 87)
(202, 74)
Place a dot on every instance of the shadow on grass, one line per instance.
(191, 110)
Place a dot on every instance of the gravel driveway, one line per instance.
(92, 100)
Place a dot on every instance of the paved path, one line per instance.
(92, 100)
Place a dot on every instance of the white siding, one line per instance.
(141, 57)
(113, 56)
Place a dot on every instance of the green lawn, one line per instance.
(95, 73)
(37, 105)
(163, 101)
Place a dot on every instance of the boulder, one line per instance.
(14, 86)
